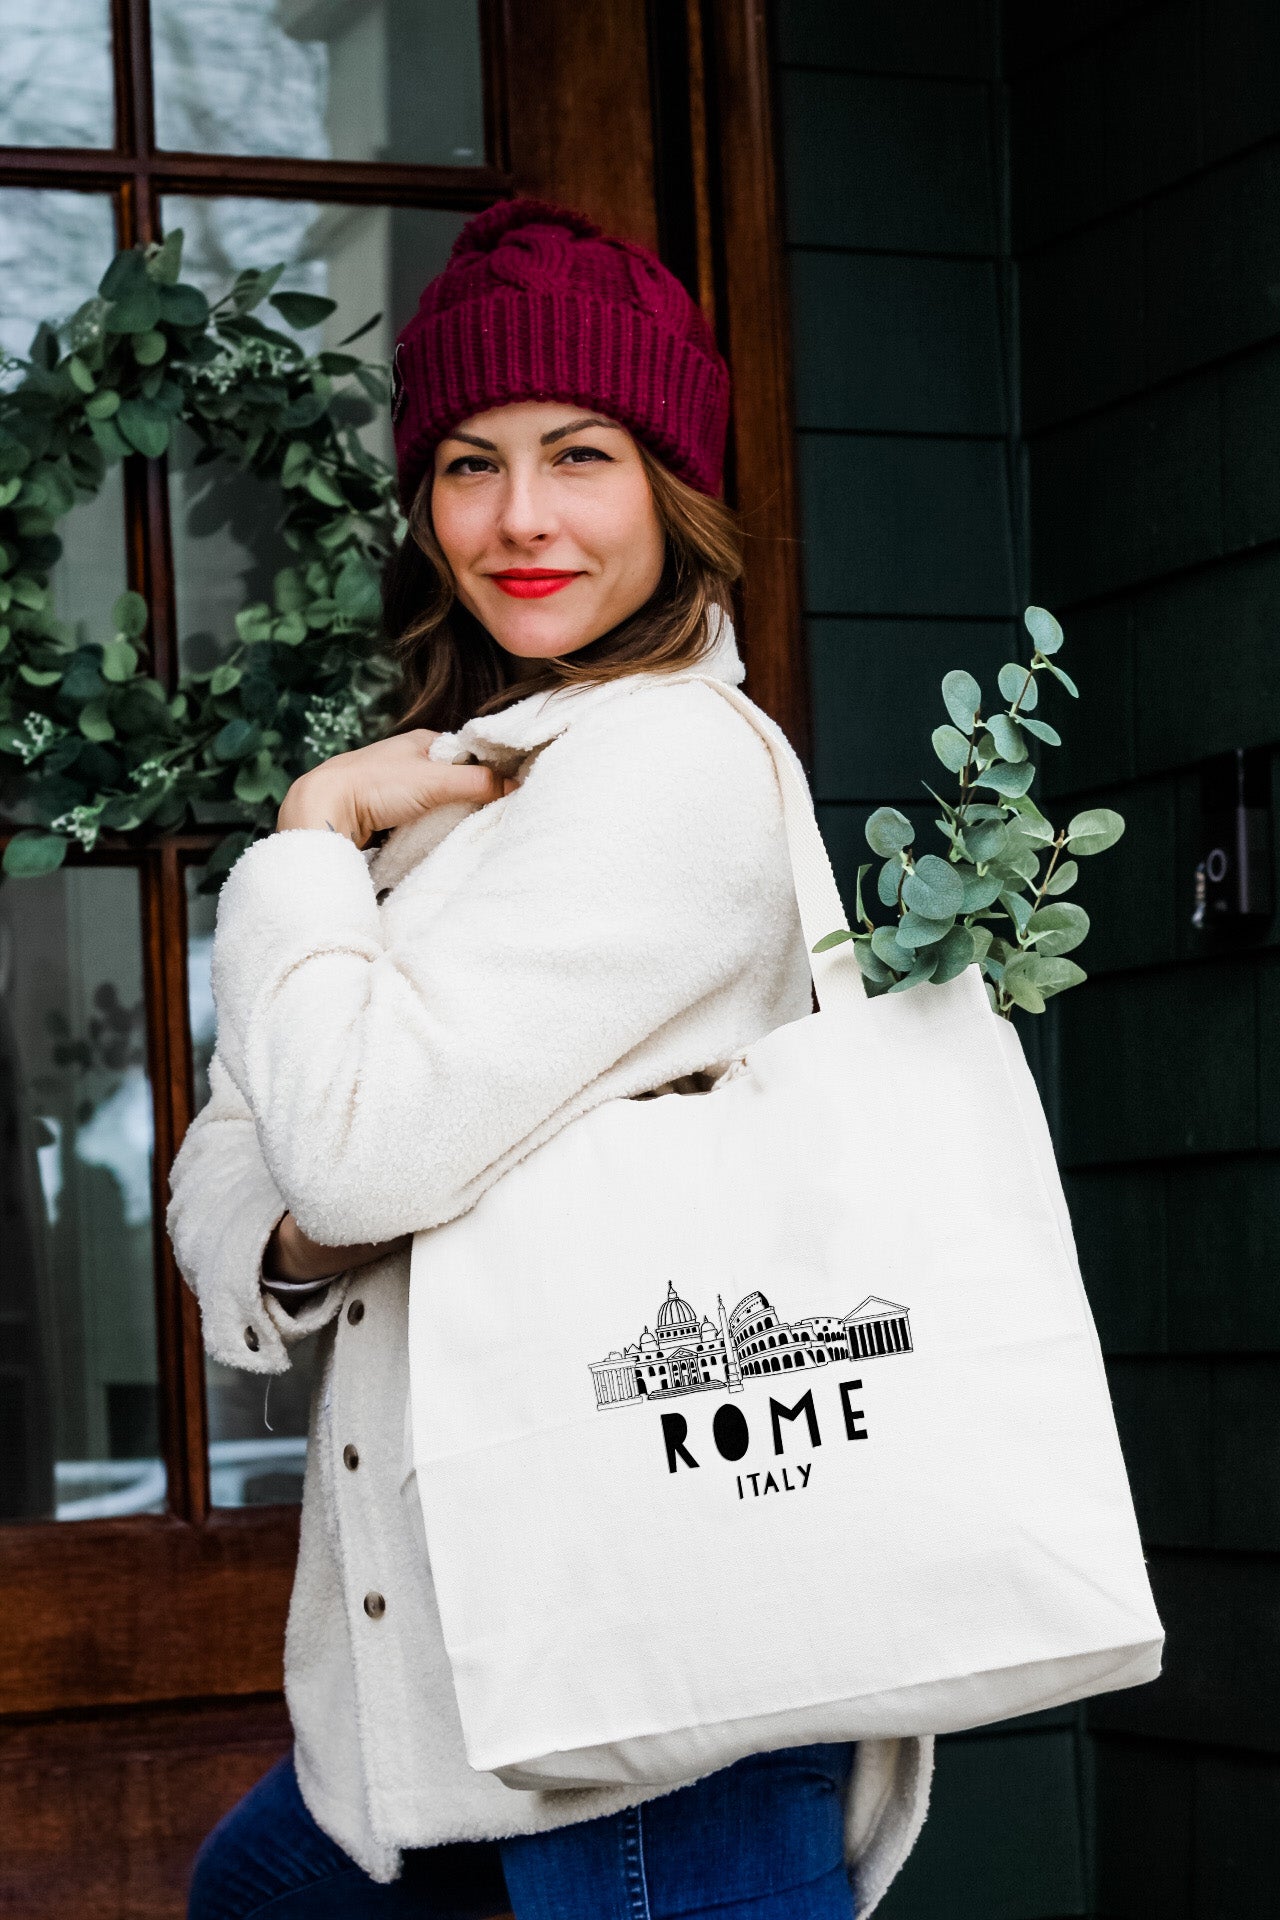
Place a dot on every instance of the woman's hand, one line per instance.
(385, 784)
(290, 1255)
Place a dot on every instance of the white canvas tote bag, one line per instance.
(775, 1414)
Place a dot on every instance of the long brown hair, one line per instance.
(452, 666)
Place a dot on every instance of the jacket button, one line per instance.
(374, 1605)
(355, 1312)
(350, 1458)
(251, 1339)
(381, 894)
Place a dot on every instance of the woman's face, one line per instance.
(544, 512)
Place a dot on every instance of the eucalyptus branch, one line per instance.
(92, 740)
(950, 909)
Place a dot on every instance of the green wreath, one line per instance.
(94, 740)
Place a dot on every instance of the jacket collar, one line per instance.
(530, 723)
(505, 739)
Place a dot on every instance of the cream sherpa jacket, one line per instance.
(395, 1028)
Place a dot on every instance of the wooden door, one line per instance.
(141, 1629)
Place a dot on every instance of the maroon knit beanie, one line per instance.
(537, 303)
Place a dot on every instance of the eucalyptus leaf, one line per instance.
(321, 488)
(1058, 928)
(366, 326)
(1018, 684)
(164, 262)
(1063, 878)
(144, 425)
(982, 891)
(987, 841)
(303, 310)
(32, 852)
(357, 594)
(1018, 983)
(1018, 908)
(129, 615)
(119, 660)
(95, 722)
(1011, 781)
(915, 931)
(860, 911)
(886, 949)
(872, 968)
(1010, 744)
(955, 953)
(888, 831)
(236, 739)
(135, 312)
(924, 969)
(934, 890)
(1065, 678)
(962, 697)
(1056, 976)
(254, 623)
(888, 881)
(1042, 730)
(1043, 628)
(829, 940)
(1094, 831)
(127, 274)
(109, 439)
(981, 938)
(1030, 823)
(183, 306)
(253, 781)
(290, 629)
(951, 747)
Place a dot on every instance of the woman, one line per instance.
(584, 895)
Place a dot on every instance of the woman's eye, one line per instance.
(580, 456)
(470, 463)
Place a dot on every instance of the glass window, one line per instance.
(79, 1396)
(396, 80)
(257, 1431)
(226, 543)
(54, 249)
(55, 246)
(55, 73)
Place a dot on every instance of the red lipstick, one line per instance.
(532, 583)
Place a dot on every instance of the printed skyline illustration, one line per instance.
(682, 1354)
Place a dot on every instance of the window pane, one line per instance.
(79, 1396)
(226, 544)
(257, 1432)
(55, 247)
(324, 79)
(55, 73)
(86, 582)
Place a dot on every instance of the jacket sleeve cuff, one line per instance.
(316, 1311)
(238, 1327)
(298, 893)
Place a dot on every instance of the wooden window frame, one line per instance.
(189, 1605)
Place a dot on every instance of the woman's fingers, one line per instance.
(467, 783)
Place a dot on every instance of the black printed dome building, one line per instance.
(681, 1354)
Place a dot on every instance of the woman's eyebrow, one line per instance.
(576, 426)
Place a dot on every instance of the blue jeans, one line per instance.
(760, 1840)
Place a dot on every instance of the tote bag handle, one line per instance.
(836, 976)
